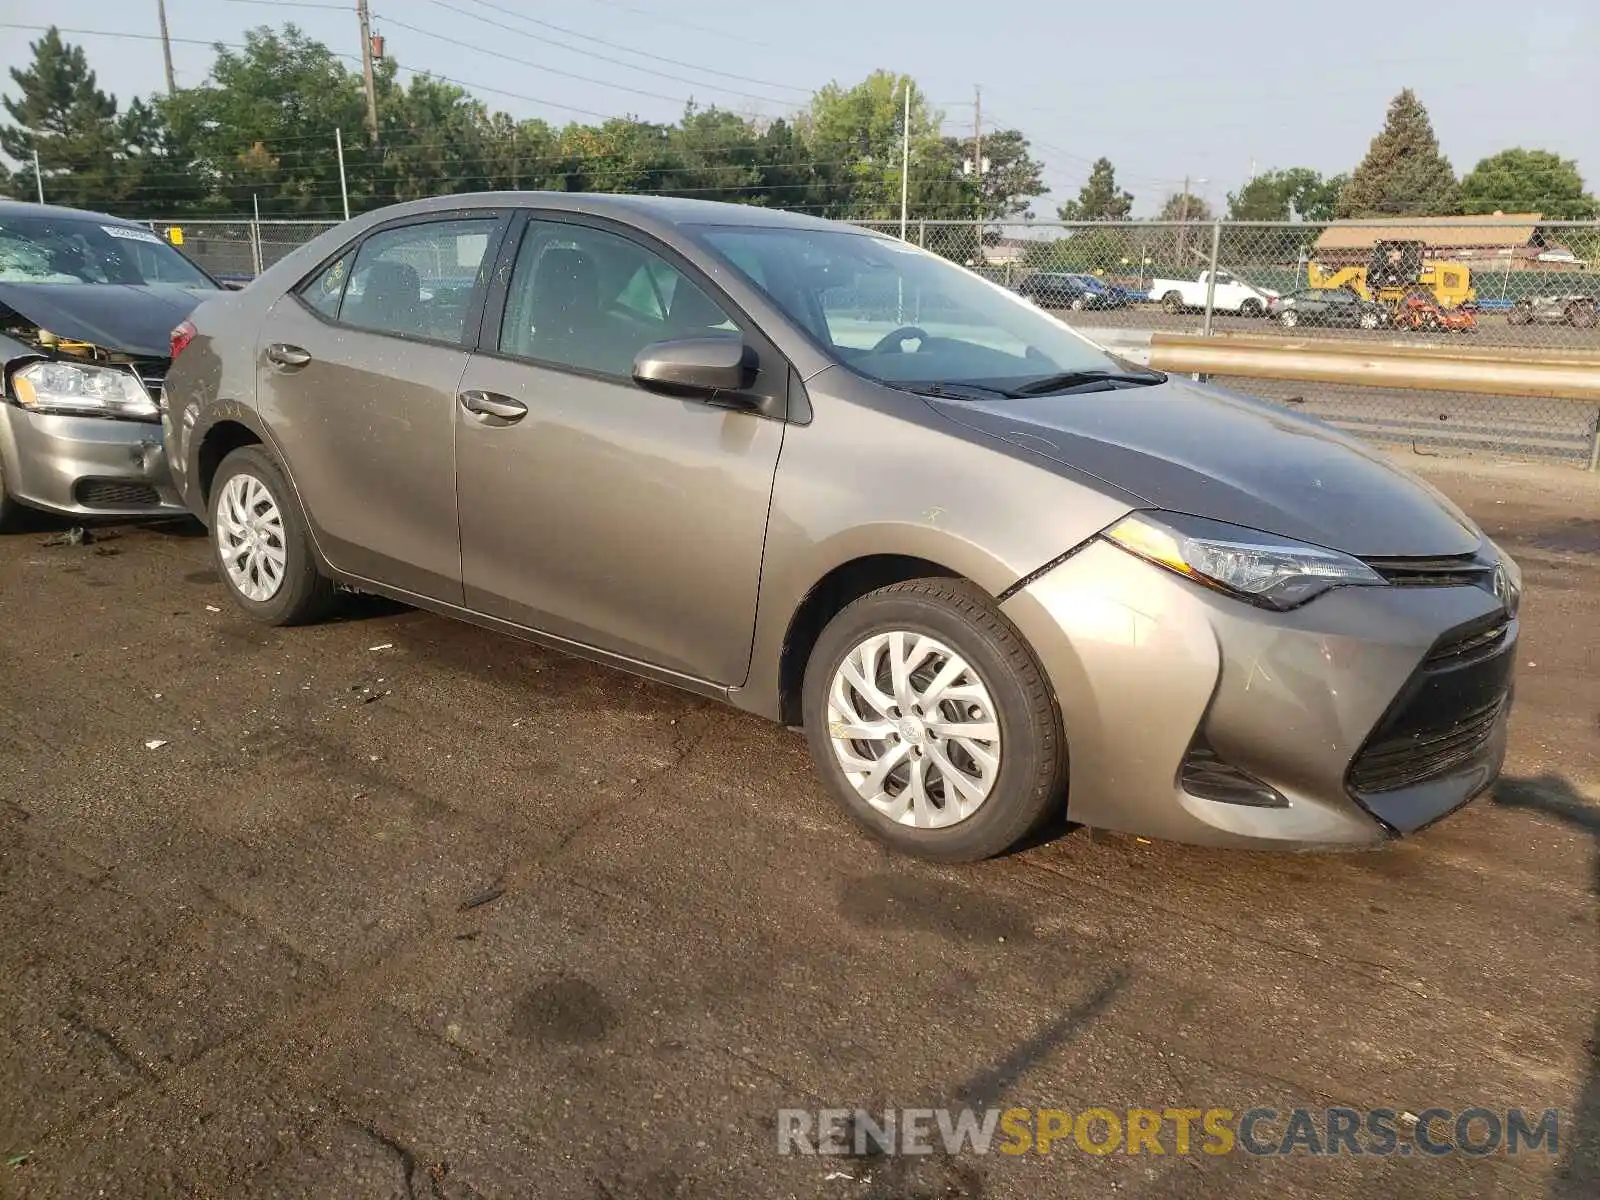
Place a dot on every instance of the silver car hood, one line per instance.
(1197, 449)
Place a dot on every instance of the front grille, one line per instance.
(1412, 758)
(154, 377)
(1454, 570)
(115, 493)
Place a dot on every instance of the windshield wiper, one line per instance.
(954, 391)
(1067, 380)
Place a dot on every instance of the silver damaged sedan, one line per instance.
(842, 483)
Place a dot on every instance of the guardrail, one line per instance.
(1542, 402)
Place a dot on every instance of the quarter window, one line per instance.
(417, 280)
(587, 298)
(324, 291)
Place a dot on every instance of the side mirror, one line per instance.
(698, 366)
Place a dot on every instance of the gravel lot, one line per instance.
(402, 908)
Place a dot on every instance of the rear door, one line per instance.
(601, 512)
(357, 375)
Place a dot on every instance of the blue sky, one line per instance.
(1164, 88)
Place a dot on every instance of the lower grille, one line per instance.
(1471, 643)
(115, 493)
(1413, 758)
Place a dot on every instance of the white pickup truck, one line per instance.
(1232, 296)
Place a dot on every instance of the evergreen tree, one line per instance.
(1099, 199)
(1403, 173)
(61, 113)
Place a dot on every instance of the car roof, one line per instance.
(24, 208)
(663, 210)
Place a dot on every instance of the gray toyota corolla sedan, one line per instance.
(845, 484)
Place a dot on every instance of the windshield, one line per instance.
(904, 316)
(52, 249)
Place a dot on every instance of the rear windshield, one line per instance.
(51, 249)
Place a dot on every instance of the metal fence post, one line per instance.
(1594, 444)
(922, 231)
(1211, 277)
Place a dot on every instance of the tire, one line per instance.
(300, 592)
(1172, 302)
(1028, 783)
(11, 513)
(1520, 314)
(1077, 304)
(1251, 309)
(1288, 318)
(1369, 320)
(1581, 314)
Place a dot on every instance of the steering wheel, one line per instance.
(896, 339)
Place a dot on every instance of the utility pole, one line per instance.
(166, 47)
(1183, 222)
(905, 157)
(38, 175)
(977, 168)
(366, 69)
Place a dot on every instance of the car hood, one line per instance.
(129, 318)
(1196, 449)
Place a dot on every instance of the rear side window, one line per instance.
(417, 280)
(323, 292)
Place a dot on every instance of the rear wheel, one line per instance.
(1582, 314)
(262, 547)
(1369, 320)
(1521, 314)
(1288, 318)
(931, 721)
(1077, 304)
(1251, 308)
(1172, 302)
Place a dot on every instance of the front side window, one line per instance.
(417, 280)
(57, 249)
(902, 315)
(325, 289)
(590, 299)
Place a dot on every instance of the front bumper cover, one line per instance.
(85, 466)
(1145, 664)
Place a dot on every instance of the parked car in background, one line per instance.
(87, 306)
(1059, 289)
(1230, 295)
(1575, 309)
(990, 568)
(1327, 306)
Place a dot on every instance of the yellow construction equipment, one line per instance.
(1398, 270)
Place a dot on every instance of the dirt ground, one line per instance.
(400, 908)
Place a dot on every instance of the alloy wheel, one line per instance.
(250, 538)
(915, 729)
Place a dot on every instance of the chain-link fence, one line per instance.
(1518, 284)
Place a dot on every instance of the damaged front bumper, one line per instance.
(85, 466)
(1190, 716)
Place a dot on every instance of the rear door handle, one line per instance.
(492, 404)
(284, 355)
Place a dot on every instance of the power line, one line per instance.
(524, 62)
(613, 45)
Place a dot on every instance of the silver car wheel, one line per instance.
(250, 541)
(915, 729)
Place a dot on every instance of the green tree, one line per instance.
(1298, 192)
(1183, 206)
(261, 127)
(856, 133)
(1100, 199)
(1011, 179)
(89, 154)
(1519, 180)
(1404, 172)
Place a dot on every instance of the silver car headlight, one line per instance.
(82, 388)
(1261, 568)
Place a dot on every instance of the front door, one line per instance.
(604, 513)
(357, 380)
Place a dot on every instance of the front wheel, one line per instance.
(1172, 302)
(1251, 308)
(10, 510)
(1288, 318)
(1077, 304)
(262, 547)
(1369, 320)
(931, 722)
(1582, 314)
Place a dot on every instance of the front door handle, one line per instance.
(491, 404)
(284, 355)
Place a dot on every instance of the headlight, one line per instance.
(1507, 581)
(1262, 568)
(81, 388)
